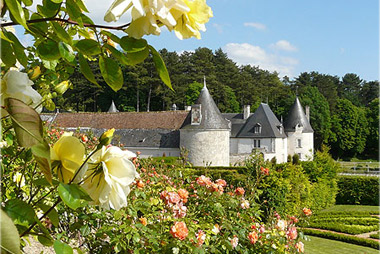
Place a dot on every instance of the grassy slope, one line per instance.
(325, 246)
(351, 208)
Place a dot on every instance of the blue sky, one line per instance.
(331, 37)
(294, 36)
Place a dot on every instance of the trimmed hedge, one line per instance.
(344, 238)
(358, 190)
(343, 228)
(375, 236)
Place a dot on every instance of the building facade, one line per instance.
(209, 137)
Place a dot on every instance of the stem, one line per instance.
(81, 166)
(43, 216)
(68, 21)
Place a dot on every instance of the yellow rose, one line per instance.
(147, 16)
(69, 152)
(190, 23)
(108, 178)
(15, 84)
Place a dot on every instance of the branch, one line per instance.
(69, 21)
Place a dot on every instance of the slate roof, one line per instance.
(297, 116)
(158, 138)
(113, 108)
(237, 122)
(268, 121)
(212, 119)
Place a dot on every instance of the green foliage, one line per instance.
(375, 236)
(343, 238)
(361, 190)
(10, 240)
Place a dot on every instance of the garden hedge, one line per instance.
(358, 190)
(344, 238)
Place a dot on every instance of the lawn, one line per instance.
(352, 208)
(319, 245)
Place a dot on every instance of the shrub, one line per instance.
(375, 236)
(340, 227)
(343, 238)
(358, 190)
(296, 159)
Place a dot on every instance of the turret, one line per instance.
(300, 133)
(205, 133)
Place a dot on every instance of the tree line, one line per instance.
(344, 111)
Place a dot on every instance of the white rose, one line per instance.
(15, 84)
(108, 178)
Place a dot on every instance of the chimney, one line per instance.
(246, 111)
(307, 109)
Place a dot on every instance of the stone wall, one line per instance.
(206, 147)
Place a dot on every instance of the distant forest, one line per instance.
(344, 111)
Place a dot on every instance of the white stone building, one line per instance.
(210, 137)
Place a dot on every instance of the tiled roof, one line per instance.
(170, 120)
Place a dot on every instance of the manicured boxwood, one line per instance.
(343, 238)
(375, 236)
(358, 190)
(365, 221)
(344, 228)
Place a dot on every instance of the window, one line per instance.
(256, 143)
(257, 128)
(299, 143)
(196, 115)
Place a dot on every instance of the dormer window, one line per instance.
(279, 127)
(257, 128)
(196, 114)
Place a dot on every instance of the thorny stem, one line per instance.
(81, 166)
(68, 21)
(43, 216)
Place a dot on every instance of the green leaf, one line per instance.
(48, 8)
(7, 55)
(81, 5)
(26, 123)
(66, 51)
(10, 240)
(27, 2)
(88, 46)
(48, 50)
(74, 11)
(111, 35)
(137, 57)
(86, 70)
(62, 248)
(131, 45)
(73, 195)
(61, 33)
(57, 1)
(53, 214)
(45, 240)
(85, 230)
(62, 87)
(41, 154)
(18, 49)
(117, 54)
(50, 64)
(111, 73)
(17, 12)
(161, 67)
(39, 27)
(2, 35)
(21, 212)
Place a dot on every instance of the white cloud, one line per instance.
(283, 45)
(245, 53)
(218, 28)
(258, 26)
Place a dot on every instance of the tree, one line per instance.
(350, 88)
(349, 127)
(369, 91)
(319, 114)
(372, 116)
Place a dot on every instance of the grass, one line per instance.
(319, 245)
(352, 208)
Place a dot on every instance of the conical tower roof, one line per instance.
(211, 116)
(297, 116)
(269, 123)
(112, 108)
